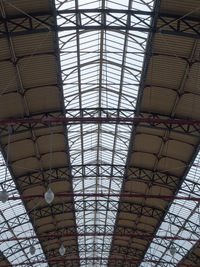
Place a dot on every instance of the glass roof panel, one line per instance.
(181, 221)
(14, 222)
(101, 72)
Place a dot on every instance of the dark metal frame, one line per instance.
(145, 120)
(134, 173)
(167, 23)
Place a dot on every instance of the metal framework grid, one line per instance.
(98, 73)
(104, 61)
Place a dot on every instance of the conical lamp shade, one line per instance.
(3, 196)
(62, 250)
(49, 196)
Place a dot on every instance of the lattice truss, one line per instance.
(82, 59)
(100, 78)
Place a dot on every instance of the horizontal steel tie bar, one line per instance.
(101, 120)
(132, 195)
(146, 236)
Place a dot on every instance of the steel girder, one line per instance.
(57, 52)
(137, 21)
(135, 131)
(119, 249)
(10, 27)
(90, 247)
(122, 250)
(130, 208)
(18, 128)
(100, 25)
(16, 249)
(38, 178)
(96, 247)
(127, 207)
(73, 250)
(176, 219)
(134, 173)
(57, 209)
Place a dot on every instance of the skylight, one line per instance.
(181, 221)
(15, 223)
(101, 71)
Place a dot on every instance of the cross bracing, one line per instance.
(139, 21)
(14, 222)
(94, 53)
(108, 61)
(178, 223)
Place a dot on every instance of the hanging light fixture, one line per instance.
(62, 250)
(49, 196)
(32, 250)
(3, 196)
(172, 250)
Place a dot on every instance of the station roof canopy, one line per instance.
(99, 103)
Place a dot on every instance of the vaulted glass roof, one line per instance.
(101, 72)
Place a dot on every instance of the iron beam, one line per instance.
(139, 21)
(123, 195)
(144, 120)
(136, 120)
(140, 236)
(133, 174)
